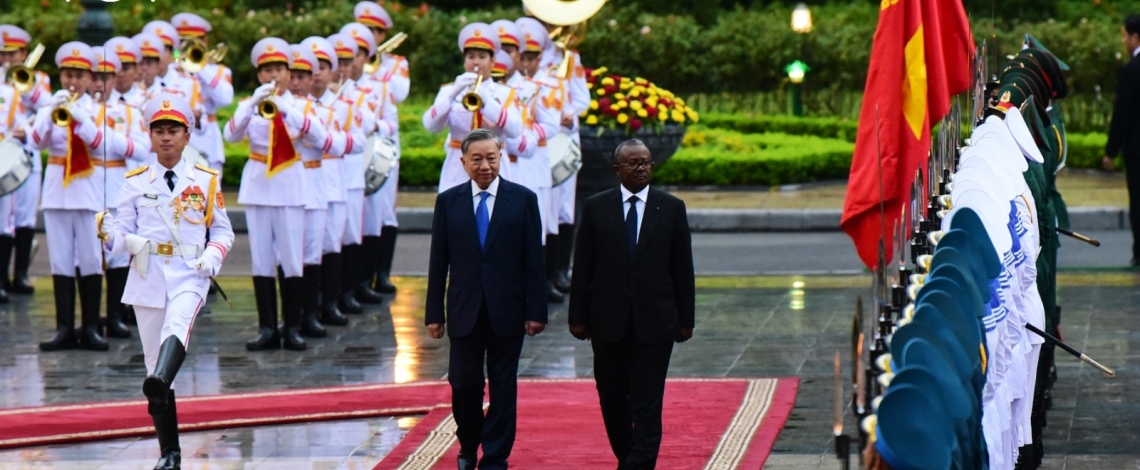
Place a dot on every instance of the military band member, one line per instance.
(478, 42)
(14, 43)
(115, 116)
(210, 89)
(126, 81)
(12, 122)
(151, 67)
(273, 191)
(72, 194)
(161, 221)
(574, 98)
(336, 115)
(395, 79)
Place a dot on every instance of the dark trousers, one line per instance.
(1132, 173)
(631, 387)
(496, 431)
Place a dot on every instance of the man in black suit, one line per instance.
(1124, 131)
(486, 255)
(632, 294)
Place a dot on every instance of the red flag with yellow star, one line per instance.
(921, 56)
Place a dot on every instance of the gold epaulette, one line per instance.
(206, 169)
(137, 171)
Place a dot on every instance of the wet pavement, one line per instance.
(747, 326)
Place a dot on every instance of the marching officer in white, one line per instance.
(130, 73)
(115, 116)
(395, 79)
(478, 42)
(14, 43)
(72, 194)
(273, 190)
(210, 89)
(161, 222)
(338, 117)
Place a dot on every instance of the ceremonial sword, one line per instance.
(1069, 349)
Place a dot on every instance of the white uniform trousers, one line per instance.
(314, 236)
(334, 227)
(157, 324)
(563, 199)
(388, 197)
(27, 200)
(354, 217)
(123, 260)
(276, 237)
(73, 242)
(8, 215)
(374, 209)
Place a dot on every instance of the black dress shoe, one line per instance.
(466, 462)
(265, 294)
(292, 340)
(311, 327)
(553, 295)
(64, 337)
(562, 282)
(348, 303)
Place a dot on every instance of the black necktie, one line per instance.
(631, 224)
(169, 179)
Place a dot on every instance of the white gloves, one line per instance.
(293, 116)
(462, 83)
(262, 92)
(59, 98)
(210, 262)
(78, 113)
(107, 225)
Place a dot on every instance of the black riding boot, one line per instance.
(6, 245)
(387, 253)
(21, 284)
(166, 427)
(64, 338)
(369, 264)
(565, 252)
(291, 313)
(90, 296)
(156, 387)
(553, 295)
(311, 326)
(116, 284)
(265, 293)
(350, 273)
(330, 290)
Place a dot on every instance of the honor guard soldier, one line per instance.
(72, 194)
(161, 222)
(12, 126)
(393, 68)
(336, 115)
(151, 69)
(394, 78)
(380, 206)
(574, 98)
(473, 101)
(130, 57)
(273, 190)
(118, 118)
(14, 43)
(211, 88)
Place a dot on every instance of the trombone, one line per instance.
(267, 109)
(193, 55)
(61, 116)
(390, 45)
(23, 76)
(472, 101)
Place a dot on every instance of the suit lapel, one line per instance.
(617, 214)
(502, 203)
(649, 220)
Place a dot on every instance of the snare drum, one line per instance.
(194, 157)
(15, 167)
(384, 156)
(565, 158)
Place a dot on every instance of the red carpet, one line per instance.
(708, 423)
(111, 420)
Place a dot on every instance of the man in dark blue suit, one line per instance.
(486, 254)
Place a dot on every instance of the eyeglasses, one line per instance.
(648, 164)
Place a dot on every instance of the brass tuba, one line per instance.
(22, 77)
(472, 101)
(377, 58)
(570, 16)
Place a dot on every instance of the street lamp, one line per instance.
(796, 72)
(95, 25)
(801, 19)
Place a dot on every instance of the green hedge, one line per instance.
(726, 158)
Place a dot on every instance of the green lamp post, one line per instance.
(796, 72)
(95, 25)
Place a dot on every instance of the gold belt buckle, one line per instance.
(165, 249)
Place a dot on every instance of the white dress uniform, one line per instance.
(393, 68)
(498, 112)
(533, 167)
(273, 191)
(359, 94)
(574, 97)
(12, 117)
(25, 200)
(162, 222)
(212, 89)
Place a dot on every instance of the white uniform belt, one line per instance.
(170, 249)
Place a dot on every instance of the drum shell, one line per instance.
(565, 158)
(16, 167)
(384, 155)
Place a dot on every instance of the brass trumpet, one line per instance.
(23, 76)
(267, 108)
(472, 101)
(193, 55)
(61, 116)
(390, 45)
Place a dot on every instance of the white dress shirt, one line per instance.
(1135, 51)
(492, 189)
(178, 168)
(641, 195)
